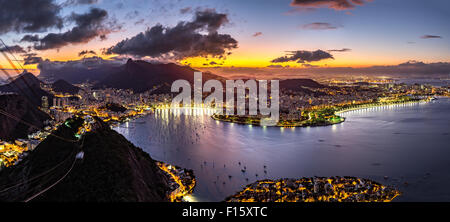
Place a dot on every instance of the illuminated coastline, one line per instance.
(317, 189)
(182, 181)
(321, 116)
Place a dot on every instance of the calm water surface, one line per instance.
(408, 144)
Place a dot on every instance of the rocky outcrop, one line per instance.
(19, 108)
(27, 85)
(112, 169)
(62, 86)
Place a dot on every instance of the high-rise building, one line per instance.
(44, 103)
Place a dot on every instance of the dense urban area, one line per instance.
(309, 104)
(332, 189)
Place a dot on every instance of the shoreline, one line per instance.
(341, 111)
(278, 125)
(254, 121)
(316, 189)
(372, 105)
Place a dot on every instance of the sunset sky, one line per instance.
(348, 33)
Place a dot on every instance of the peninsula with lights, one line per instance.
(322, 115)
(316, 189)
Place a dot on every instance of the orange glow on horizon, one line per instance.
(245, 58)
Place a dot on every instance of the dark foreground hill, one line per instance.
(20, 108)
(142, 76)
(112, 170)
(28, 86)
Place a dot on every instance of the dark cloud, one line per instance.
(31, 59)
(302, 56)
(29, 16)
(79, 2)
(257, 34)
(306, 65)
(340, 50)
(87, 27)
(30, 38)
(13, 49)
(319, 26)
(431, 37)
(185, 10)
(198, 37)
(277, 66)
(86, 52)
(140, 21)
(332, 4)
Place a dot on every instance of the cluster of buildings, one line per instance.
(65, 106)
(292, 103)
(12, 152)
(88, 102)
(181, 181)
(95, 102)
(317, 189)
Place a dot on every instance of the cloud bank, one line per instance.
(87, 27)
(29, 16)
(319, 26)
(198, 37)
(13, 49)
(340, 50)
(302, 56)
(332, 4)
(257, 34)
(86, 52)
(431, 37)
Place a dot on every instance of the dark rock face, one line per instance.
(62, 86)
(142, 76)
(20, 108)
(28, 86)
(294, 84)
(112, 170)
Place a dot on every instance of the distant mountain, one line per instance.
(28, 86)
(62, 86)
(77, 75)
(294, 84)
(112, 170)
(20, 108)
(306, 86)
(142, 76)
(75, 72)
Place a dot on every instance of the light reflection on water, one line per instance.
(407, 143)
